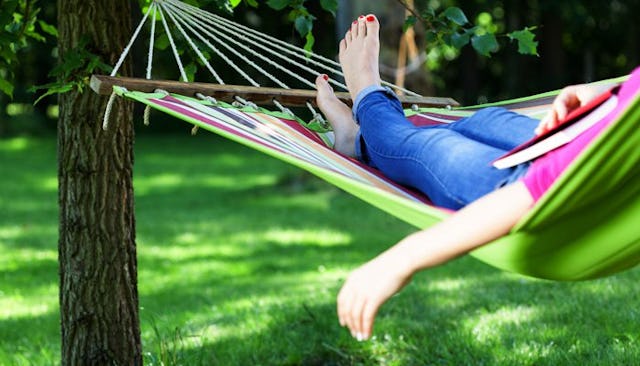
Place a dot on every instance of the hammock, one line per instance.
(585, 226)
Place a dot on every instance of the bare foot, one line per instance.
(359, 51)
(339, 116)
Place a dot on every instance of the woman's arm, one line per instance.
(484, 220)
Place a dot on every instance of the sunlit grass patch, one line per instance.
(240, 258)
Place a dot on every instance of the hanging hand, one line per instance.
(365, 290)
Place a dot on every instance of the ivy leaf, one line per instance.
(525, 39)
(6, 87)
(303, 25)
(455, 15)
(278, 4)
(484, 44)
(329, 5)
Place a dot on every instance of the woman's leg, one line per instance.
(497, 127)
(450, 168)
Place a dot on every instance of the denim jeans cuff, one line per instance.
(364, 93)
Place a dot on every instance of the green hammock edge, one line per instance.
(522, 251)
(563, 237)
(403, 208)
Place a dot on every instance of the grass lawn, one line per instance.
(240, 260)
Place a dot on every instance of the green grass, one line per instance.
(240, 260)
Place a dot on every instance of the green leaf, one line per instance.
(252, 3)
(484, 44)
(55, 89)
(278, 4)
(234, 3)
(308, 46)
(526, 43)
(191, 70)
(6, 87)
(455, 15)
(409, 22)
(329, 5)
(48, 28)
(303, 25)
(429, 13)
(460, 40)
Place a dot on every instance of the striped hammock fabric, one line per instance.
(575, 232)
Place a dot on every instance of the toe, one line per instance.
(354, 29)
(362, 31)
(372, 25)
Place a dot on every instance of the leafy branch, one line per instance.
(19, 24)
(73, 72)
(298, 14)
(451, 27)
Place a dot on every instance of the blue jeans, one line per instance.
(450, 163)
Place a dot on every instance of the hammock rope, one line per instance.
(199, 53)
(266, 43)
(176, 54)
(210, 32)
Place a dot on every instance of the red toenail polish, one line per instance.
(371, 18)
(325, 76)
(355, 21)
(361, 16)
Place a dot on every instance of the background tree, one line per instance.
(97, 252)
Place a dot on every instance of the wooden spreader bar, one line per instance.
(103, 85)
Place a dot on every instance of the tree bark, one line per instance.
(97, 252)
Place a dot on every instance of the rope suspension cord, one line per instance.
(185, 18)
(174, 48)
(199, 53)
(147, 109)
(125, 52)
(188, 21)
(209, 29)
(271, 45)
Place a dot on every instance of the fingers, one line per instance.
(368, 317)
(547, 123)
(566, 101)
(356, 312)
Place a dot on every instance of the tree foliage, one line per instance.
(451, 27)
(19, 25)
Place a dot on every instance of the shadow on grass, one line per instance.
(241, 257)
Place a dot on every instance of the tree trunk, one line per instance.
(97, 253)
